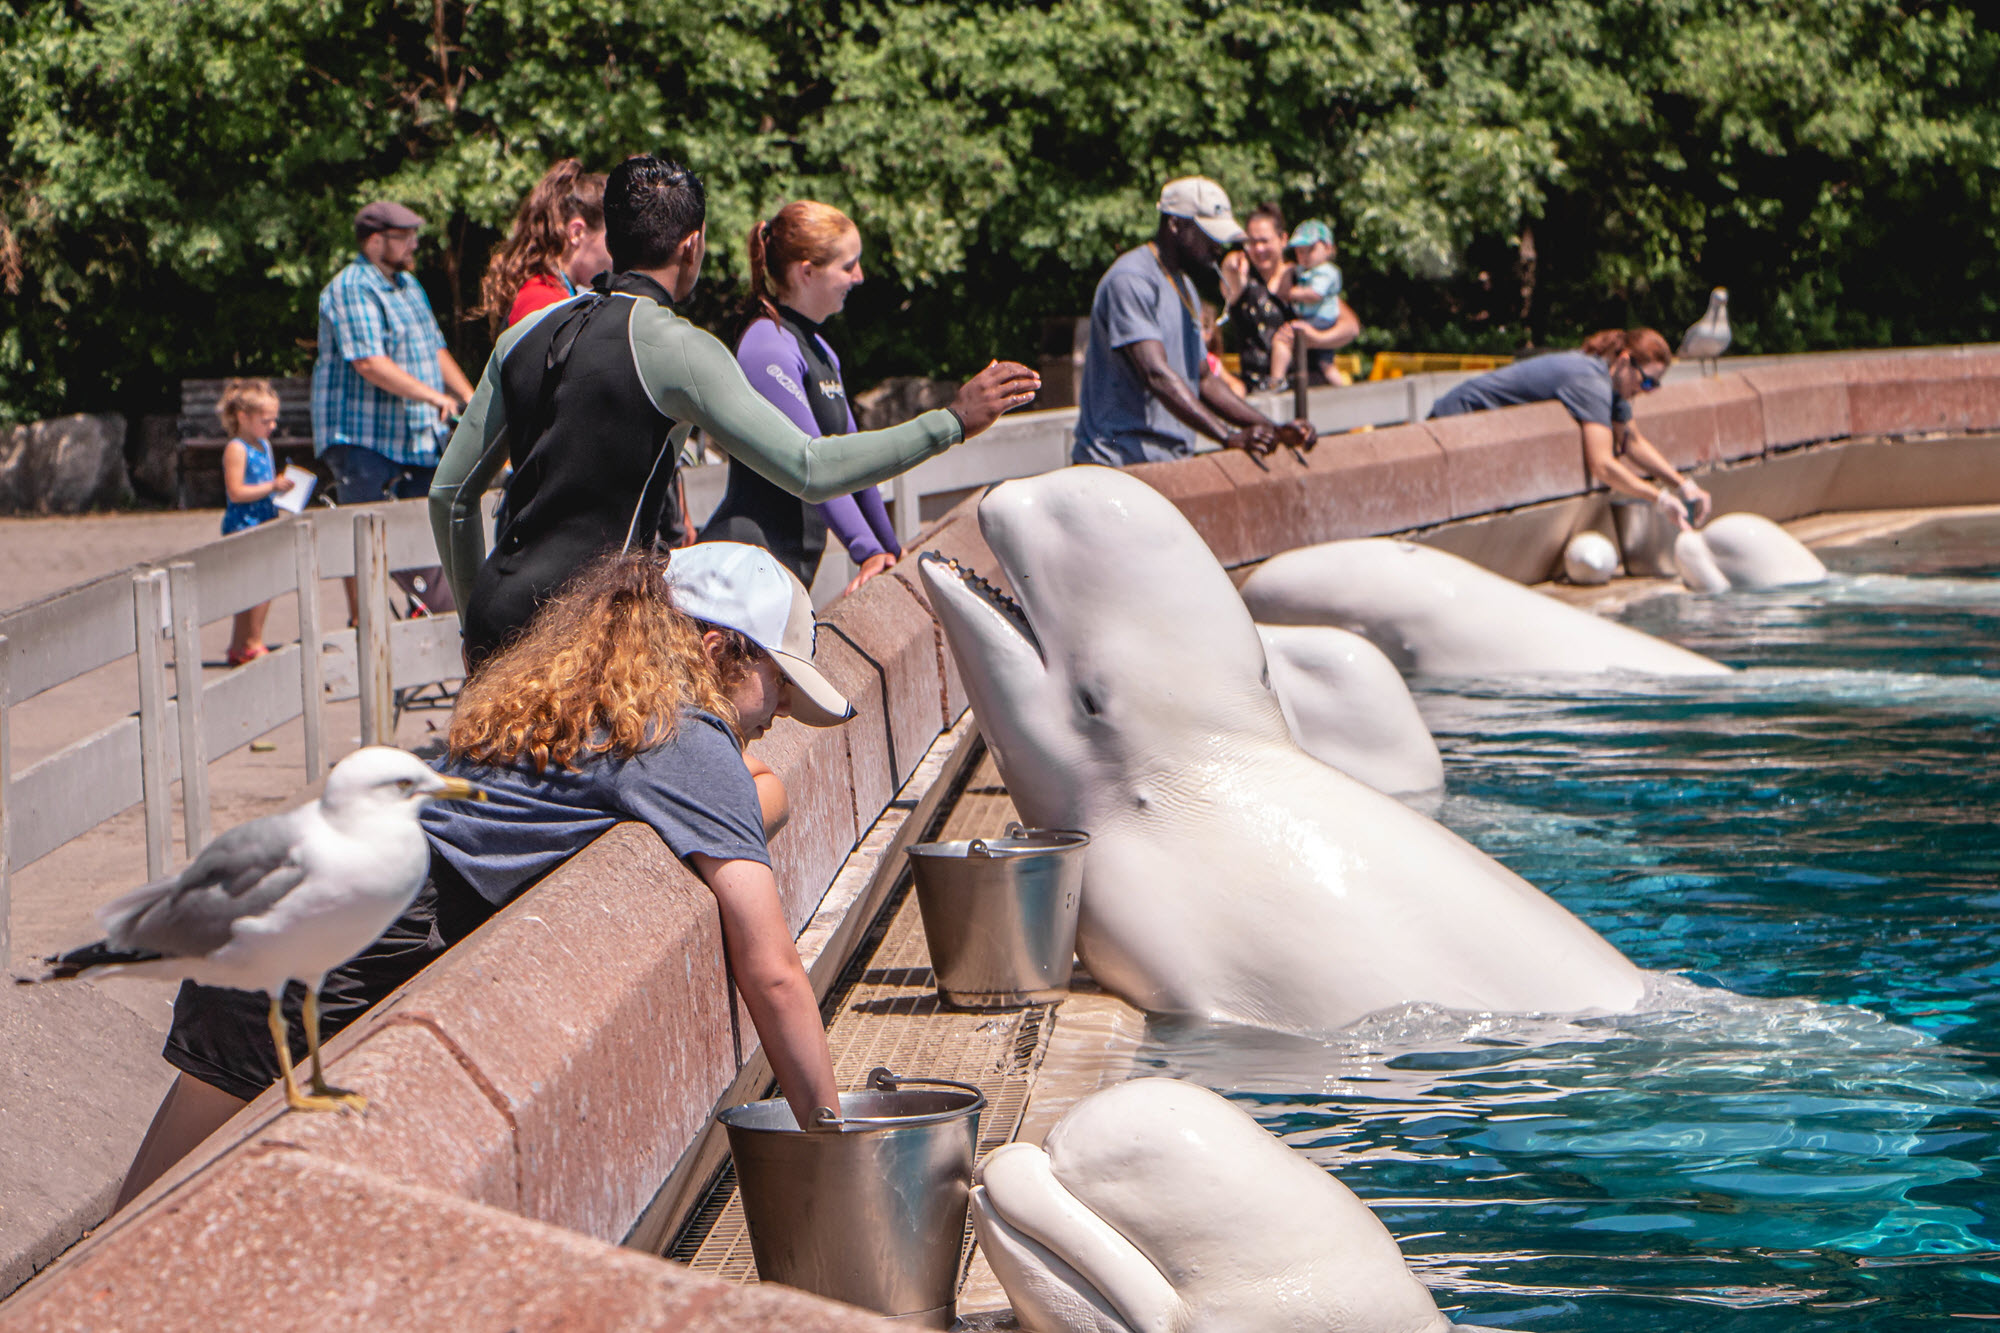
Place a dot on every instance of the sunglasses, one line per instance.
(1647, 384)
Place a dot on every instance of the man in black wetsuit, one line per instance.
(591, 400)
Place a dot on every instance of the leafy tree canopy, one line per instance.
(177, 176)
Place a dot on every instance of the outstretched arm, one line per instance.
(1237, 426)
(1605, 466)
(692, 376)
(1643, 452)
(773, 982)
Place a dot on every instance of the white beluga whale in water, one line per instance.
(1231, 876)
(1590, 559)
(1434, 613)
(1347, 705)
(1744, 551)
(1157, 1207)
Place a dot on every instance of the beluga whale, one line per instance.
(1744, 551)
(1346, 704)
(1155, 1206)
(1231, 876)
(1436, 614)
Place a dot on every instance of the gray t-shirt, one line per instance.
(693, 791)
(1578, 381)
(1118, 420)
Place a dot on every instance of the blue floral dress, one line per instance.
(258, 466)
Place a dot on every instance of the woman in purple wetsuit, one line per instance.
(803, 262)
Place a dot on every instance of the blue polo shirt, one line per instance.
(362, 313)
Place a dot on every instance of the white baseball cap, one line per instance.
(744, 588)
(1202, 199)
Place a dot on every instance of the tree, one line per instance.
(177, 179)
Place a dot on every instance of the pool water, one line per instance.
(1802, 1128)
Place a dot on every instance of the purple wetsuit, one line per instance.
(770, 357)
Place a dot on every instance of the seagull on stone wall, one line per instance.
(1708, 337)
(288, 897)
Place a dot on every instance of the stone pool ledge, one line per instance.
(538, 1091)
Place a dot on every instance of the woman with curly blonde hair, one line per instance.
(628, 698)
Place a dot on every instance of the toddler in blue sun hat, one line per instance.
(1315, 289)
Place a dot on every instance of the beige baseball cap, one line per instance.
(1202, 199)
(744, 588)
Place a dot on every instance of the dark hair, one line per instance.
(804, 230)
(540, 234)
(1270, 211)
(1643, 344)
(651, 204)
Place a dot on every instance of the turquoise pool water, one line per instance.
(1804, 1131)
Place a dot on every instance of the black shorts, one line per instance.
(222, 1036)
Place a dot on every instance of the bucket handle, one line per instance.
(881, 1080)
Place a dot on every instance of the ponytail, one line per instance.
(803, 231)
(540, 235)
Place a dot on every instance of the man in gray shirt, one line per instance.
(1146, 387)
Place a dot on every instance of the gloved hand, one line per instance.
(1671, 508)
(1698, 501)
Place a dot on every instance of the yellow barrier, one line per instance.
(1395, 365)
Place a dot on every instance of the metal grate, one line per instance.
(890, 1015)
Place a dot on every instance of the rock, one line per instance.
(65, 466)
(154, 457)
(898, 399)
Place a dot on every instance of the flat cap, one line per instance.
(384, 215)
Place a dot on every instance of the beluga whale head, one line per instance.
(1231, 876)
(1123, 653)
(1155, 1206)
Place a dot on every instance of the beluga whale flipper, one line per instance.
(1436, 614)
(1231, 876)
(1157, 1207)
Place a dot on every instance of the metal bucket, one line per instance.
(1000, 914)
(868, 1207)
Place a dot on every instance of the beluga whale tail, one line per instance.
(1436, 614)
(1231, 876)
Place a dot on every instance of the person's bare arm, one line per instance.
(235, 459)
(1343, 331)
(1227, 401)
(771, 795)
(1235, 272)
(1148, 359)
(772, 981)
(454, 378)
(1605, 466)
(386, 375)
(1643, 452)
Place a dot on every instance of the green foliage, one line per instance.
(177, 176)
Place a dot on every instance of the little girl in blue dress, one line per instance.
(250, 477)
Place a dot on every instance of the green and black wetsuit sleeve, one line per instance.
(692, 377)
(472, 459)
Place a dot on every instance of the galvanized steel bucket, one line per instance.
(867, 1207)
(1000, 914)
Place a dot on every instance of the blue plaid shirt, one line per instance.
(362, 313)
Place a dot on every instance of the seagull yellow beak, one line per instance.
(457, 789)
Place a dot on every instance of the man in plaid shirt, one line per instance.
(384, 385)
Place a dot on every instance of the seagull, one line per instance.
(1708, 337)
(288, 897)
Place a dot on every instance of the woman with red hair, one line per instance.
(803, 263)
(1597, 384)
(554, 249)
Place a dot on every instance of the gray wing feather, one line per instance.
(239, 874)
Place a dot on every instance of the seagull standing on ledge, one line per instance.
(1708, 337)
(284, 898)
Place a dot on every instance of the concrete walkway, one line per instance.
(80, 1069)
